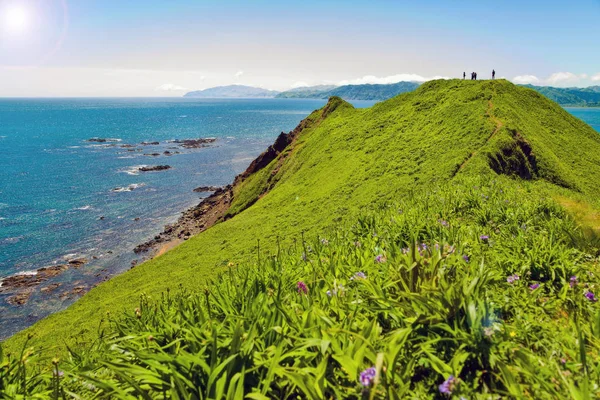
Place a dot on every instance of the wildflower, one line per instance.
(466, 258)
(324, 242)
(484, 238)
(328, 293)
(591, 297)
(534, 286)
(448, 386)
(488, 331)
(58, 374)
(513, 333)
(357, 244)
(367, 376)
(573, 281)
(304, 258)
(445, 224)
(563, 361)
(359, 275)
(380, 259)
(512, 278)
(302, 288)
(405, 250)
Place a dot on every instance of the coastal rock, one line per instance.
(50, 288)
(127, 146)
(194, 143)
(202, 189)
(103, 140)
(150, 143)
(20, 298)
(78, 262)
(170, 153)
(152, 154)
(154, 168)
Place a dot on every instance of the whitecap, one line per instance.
(133, 170)
(84, 208)
(129, 188)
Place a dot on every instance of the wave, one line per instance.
(84, 208)
(133, 170)
(129, 188)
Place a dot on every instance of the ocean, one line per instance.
(64, 197)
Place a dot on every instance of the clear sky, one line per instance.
(166, 47)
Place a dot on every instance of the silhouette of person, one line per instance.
(493, 74)
(464, 75)
(472, 75)
(475, 74)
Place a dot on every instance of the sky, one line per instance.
(139, 48)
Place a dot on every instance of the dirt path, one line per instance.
(499, 125)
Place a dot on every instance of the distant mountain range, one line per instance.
(575, 97)
(232, 92)
(352, 92)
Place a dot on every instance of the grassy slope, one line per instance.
(350, 160)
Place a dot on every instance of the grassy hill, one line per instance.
(351, 92)
(574, 97)
(436, 238)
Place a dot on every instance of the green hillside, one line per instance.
(574, 97)
(378, 237)
(351, 92)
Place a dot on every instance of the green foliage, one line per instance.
(413, 289)
(403, 191)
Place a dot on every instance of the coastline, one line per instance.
(59, 282)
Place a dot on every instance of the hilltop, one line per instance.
(431, 238)
(232, 91)
(351, 92)
(571, 97)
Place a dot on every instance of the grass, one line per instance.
(445, 165)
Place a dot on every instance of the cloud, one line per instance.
(526, 79)
(169, 87)
(596, 77)
(239, 74)
(299, 85)
(562, 78)
(371, 79)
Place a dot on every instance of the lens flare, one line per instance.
(16, 19)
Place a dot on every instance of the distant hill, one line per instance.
(352, 92)
(232, 92)
(307, 92)
(576, 97)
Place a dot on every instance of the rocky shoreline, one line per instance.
(18, 288)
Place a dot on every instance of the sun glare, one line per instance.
(15, 19)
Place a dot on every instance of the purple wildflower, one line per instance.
(445, 224)
(304, 258)
(591, 297)
(380, 258)
(448, 386)
(302, 288)
(573, 281)
(329, 293)
(405, 250)
(484, 238)
(512, 278)
(367, 376)
(324, 242)
(466, 258)
(358, 275)
(534, 286)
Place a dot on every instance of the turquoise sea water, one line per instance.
(62, 196)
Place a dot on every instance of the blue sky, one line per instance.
(163, 48)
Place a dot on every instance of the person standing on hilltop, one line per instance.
(464, 75)
(493, 74)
